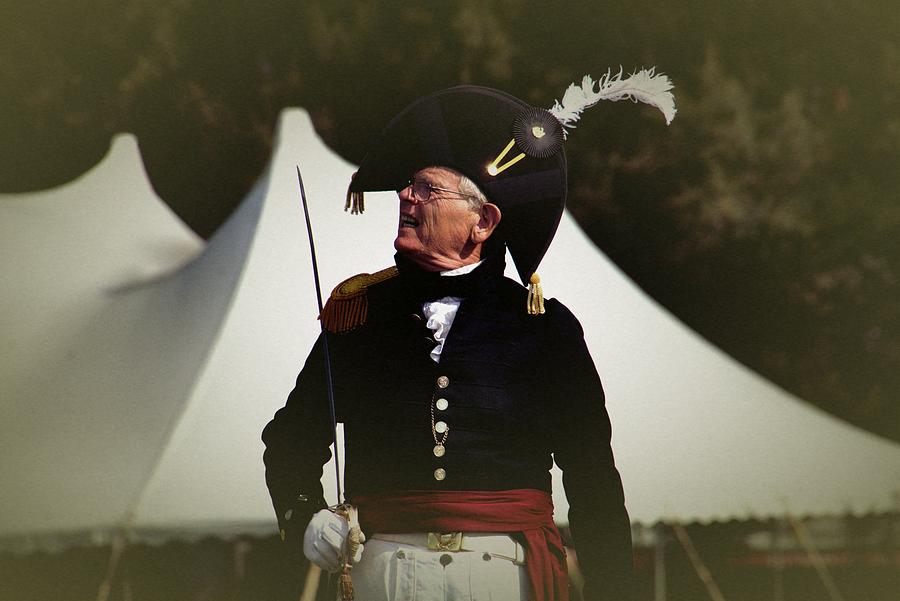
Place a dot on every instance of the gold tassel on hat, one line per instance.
(535, 303)
(355, 202)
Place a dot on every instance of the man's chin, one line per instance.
(405, 246)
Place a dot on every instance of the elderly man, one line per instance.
(457, 387)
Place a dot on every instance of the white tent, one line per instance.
(138, 367)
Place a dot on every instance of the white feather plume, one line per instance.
(643, 86)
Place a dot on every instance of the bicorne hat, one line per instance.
(467, 128)
(511, 150)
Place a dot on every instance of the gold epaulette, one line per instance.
(348, 306)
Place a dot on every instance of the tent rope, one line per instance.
(702, 571)
(815, 557)
(117, 549)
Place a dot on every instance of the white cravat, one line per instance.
(439, 314)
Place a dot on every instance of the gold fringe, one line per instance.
(535, 305)
(355, 202)
(346, 314)
(348, 306)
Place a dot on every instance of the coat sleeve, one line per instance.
(597, 516)
(297, 445)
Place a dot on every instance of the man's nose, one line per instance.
(406, 194)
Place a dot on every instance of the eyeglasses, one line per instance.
(421, 190)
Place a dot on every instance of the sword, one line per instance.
(342, 509)
(328, 380)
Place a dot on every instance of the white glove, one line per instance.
(325, 539)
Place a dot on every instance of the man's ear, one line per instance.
(488, 220)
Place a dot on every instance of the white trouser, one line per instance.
(391, 571)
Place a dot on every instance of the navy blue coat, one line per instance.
(519, 388)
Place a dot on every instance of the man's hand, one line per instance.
(325, 538)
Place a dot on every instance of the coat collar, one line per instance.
(418, 285)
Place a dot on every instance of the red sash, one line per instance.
(525, 512)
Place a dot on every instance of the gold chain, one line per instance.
(434, 435)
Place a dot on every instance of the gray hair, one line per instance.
(474, 195)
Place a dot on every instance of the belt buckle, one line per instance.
(445, 541)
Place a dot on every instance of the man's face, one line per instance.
(437, 234)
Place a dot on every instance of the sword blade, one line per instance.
(328, 380)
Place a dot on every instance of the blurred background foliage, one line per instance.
(766, 216)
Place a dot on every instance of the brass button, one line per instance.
(440, 427)
(439, 450)
(441, 404)
(401, 554)
(443, 382)
(440, 473)
(446, 559)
